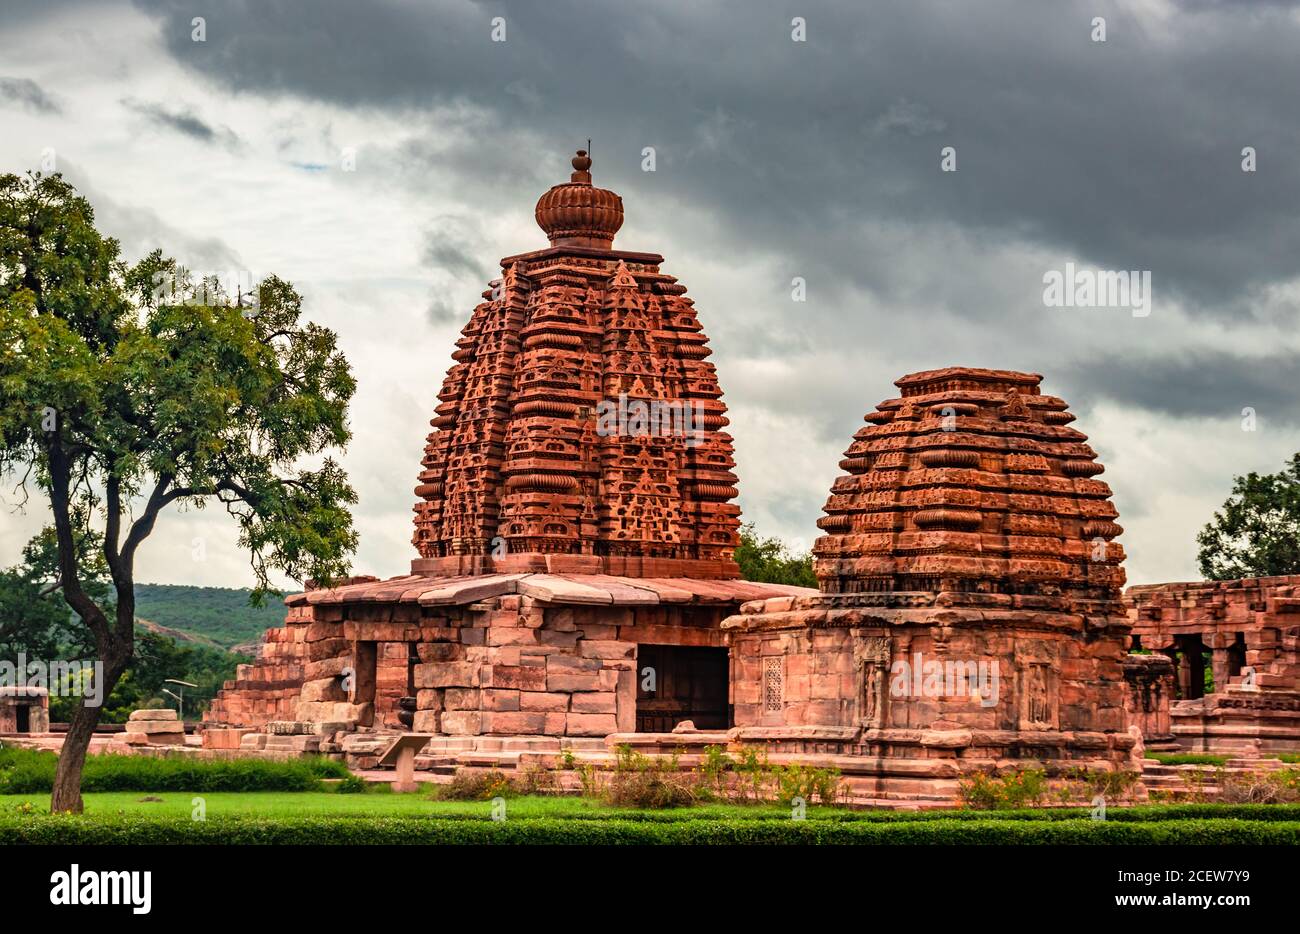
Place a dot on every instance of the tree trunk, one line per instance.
(66, 797)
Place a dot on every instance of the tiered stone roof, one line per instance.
(972, 483)
(521, 463)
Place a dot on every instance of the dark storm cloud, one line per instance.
(28, 94)
(1198, 385)
(1125, 153)
(183, 121)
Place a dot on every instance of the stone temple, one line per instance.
(574, 521)
(574, 586)
(970, 608)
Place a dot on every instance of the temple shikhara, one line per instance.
(574, 587)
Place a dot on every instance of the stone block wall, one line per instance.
(509, 665)
(519, 667)
(269, 687)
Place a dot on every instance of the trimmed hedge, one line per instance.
(31, 771)
(28, 829)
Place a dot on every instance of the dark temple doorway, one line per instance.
(681, 682)
(23, 715)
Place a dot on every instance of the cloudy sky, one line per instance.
(774, 159)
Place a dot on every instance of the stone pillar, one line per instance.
(1220, 666)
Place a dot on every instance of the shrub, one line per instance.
(983, 792)
(1186, 758)
(304, 830)
(351, 785)
(711, 774)
(31, 771)
(477, 785)
(1280, 787)
(754, 776)
(641, 782)
(806, 782)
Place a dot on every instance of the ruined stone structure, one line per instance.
(574, 523)
(970, 610)
(1151, 690)
(1249, 631)
(24, 709)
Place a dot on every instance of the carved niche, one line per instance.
(871, 654)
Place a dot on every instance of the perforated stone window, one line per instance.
(773, 685)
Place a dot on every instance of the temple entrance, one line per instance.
(365, 668)
(23, 714)
(681, 682)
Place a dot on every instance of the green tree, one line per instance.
(34, 617)
(126, 389)
(1257, 532)
(768, 561)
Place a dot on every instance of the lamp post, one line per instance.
(180, 698)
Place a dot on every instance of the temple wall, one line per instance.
(919, 677)
(268, 688)
(509, 665)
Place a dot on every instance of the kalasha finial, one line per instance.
(577, 213)
(581, 168)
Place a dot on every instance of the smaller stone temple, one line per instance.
(1245, 634)
(970, 612)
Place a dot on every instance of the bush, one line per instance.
(31, 771)
(477, 785)
(984, 792)
(806, 782)
(84, 829)
(1186, 758)
(1280, 787)
(641, 782)
(351, 785)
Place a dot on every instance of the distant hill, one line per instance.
(206, 615)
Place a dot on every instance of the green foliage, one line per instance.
(806, 782)
(138, 828)
(126, 389)
(26, 771)
(477, 785)
(224, 615)
(1186, 758)
(641, 781)
(158, 658)
(35, 619)
(350, 785)
(769, 561)
(1032, 788)
(1257, 532)
(985, 792)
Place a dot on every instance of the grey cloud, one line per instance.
(1203, 384)
(1088, 147)
(28, 94)
(183, 121)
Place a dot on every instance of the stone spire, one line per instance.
(581, 422)
(579, 214)
(972, 484)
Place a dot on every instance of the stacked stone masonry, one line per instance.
(1247, 634)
